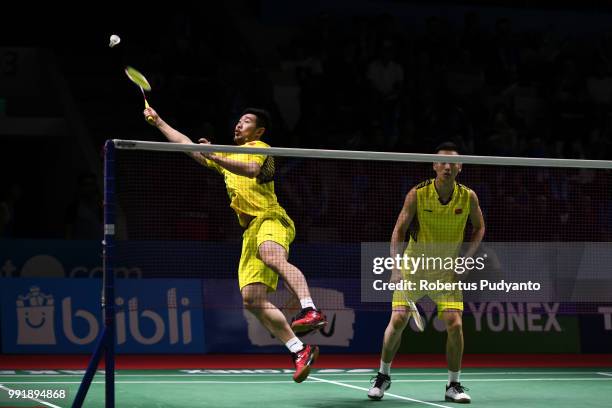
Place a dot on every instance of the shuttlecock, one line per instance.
(114, 40)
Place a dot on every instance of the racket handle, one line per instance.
(149, 118)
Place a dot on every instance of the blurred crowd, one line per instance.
(373, 83)
(376, 83)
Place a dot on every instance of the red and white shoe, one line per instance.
(303, 360)
(307, 320)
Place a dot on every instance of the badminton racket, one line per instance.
(414, 312)
(139, 79)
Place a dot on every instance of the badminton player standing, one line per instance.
(437, 212)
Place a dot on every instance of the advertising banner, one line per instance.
(64, 315)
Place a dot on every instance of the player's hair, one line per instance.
(263, 117)
(450, 146)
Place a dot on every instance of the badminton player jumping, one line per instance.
(249, 179)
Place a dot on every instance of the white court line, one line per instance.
(318, 381)
(608, 374)
(162, 382)
(33, 399)
(463, 374)
(509, 379)
(387, 393)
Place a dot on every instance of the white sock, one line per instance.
(307, 302)
(294, 345)
(453, 376)
(385, 368)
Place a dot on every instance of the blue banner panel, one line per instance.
(47, 258)
(64, 315)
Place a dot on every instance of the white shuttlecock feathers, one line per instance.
(114, 40)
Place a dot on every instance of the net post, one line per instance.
(91, 371)
(108, 296)
(106, 339)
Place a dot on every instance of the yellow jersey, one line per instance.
(439, 223)
(250, 197)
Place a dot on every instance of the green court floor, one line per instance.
(325, 388)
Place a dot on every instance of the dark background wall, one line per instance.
(498, 78)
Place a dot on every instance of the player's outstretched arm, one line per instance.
(398, 238)
(249, 169)
(478, 225)
(171, 134)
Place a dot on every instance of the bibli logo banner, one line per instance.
(35, 318)
(65, 316)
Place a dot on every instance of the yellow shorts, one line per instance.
(444, 300)
(277, 227)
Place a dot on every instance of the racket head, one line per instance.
(413, 311)
(416, 315)
(136, 77)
